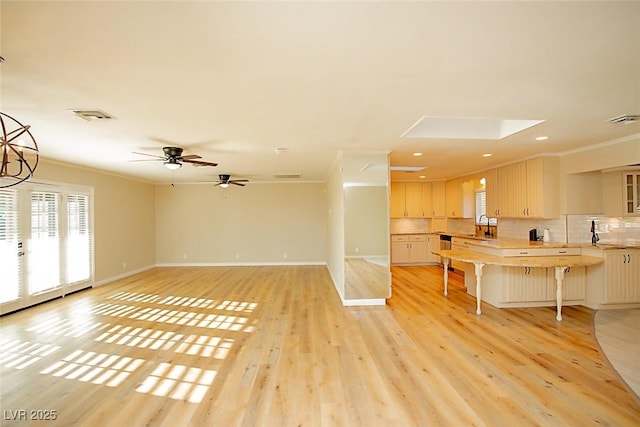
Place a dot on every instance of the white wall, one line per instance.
(335, 228)
(124, 218)
(256, 224)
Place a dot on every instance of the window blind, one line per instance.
(10, 246)
(79, 238)
(44, 245)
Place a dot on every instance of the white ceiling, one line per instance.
(232, 81)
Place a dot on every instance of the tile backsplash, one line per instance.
(564, 229)
(613, 230)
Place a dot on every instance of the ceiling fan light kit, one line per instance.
(225, 180)
(172, 164)
(18, 150)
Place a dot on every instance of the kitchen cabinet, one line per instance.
(433, 244)
(492, 193)
(459, 198)
(526, 189)
(409, 249)
(621, 193)
(524, 284)
(616, 281)
(574, 284)
(438, 197)
(406, 200)
(427, 199)
(621, 276)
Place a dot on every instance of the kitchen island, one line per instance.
(497, 255)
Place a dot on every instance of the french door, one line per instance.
(46, 243)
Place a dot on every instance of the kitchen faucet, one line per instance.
(488, 232)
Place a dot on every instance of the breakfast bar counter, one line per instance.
(560, 264)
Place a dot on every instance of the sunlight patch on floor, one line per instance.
(98, 368)
(178, 382)
(18, 355)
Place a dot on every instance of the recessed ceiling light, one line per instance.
(422, 176)
(487, 155)
(281, 150)
(417, 154)
(541, 138)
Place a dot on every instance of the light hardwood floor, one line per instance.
(272, 346)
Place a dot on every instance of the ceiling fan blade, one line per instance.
(190, 157)
(236, 183)
(199, 162)
(147, 160)
(239, 180)
(151, 155)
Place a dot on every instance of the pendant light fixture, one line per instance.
(18, 152)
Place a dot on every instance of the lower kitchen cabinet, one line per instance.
(524, 284)
(409, 249)
(433, 244)
(528, 284)
(621, 276)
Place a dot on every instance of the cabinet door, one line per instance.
(631, 194)
(574, 285)
(418, 252)
(633, 287)
(616, 276)
(399, 252)
(508, 190)
(433, 243)
(438, 198)
(453, 192)
(535, 188)
(413, 199)
(397, 203)
(427, 200)
(492, 193)
(524, 284)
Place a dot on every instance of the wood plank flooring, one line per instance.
(272, 346)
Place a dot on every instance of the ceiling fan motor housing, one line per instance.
(172, 151)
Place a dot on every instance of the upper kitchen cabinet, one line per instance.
(438, 197)
(492, 192)
(528, 189)
(621, 193)
(459, 198)
(406, 200)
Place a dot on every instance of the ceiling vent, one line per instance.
(287, 175)
(92, 114)
(625, 119)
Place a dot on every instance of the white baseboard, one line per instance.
(122, 276)
(234, 264)
(356, 302)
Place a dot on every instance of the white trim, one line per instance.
(234, 264)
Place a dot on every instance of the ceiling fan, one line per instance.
(225, 181)
(173, 158)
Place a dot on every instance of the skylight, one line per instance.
(467, 127)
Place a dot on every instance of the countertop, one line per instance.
(511, 243)
(539, 261)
